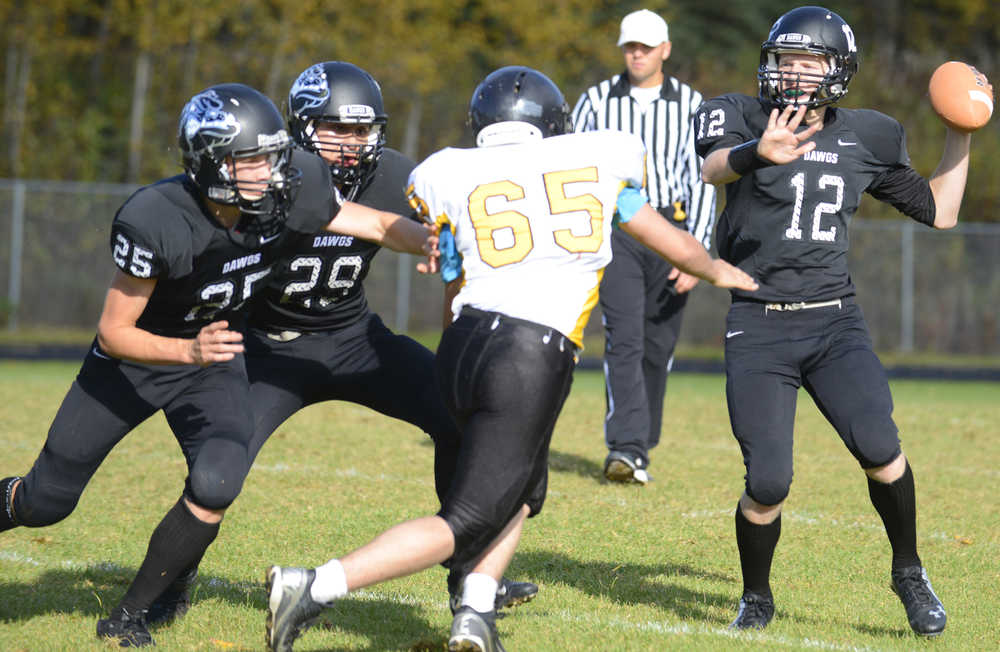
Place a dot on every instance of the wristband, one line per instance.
(744, 158)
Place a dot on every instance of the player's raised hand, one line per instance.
(727, 276)
(779, 143)
(215, 343)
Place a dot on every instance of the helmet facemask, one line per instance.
(780, 87)
(352, 164)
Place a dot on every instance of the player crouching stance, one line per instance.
(529, 214)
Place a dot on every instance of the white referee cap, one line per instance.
(644, 27)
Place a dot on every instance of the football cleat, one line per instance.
(175, 600)
(509, 594)
(129, 629)
(472, 631)
(755, 612)
(923, 608)
(290, 607)
(619, 467)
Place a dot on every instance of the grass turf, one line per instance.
(620, 567)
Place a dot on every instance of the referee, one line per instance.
(642, 296)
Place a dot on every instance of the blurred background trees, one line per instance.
(92, 89)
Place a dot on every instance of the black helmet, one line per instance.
(518, 94)
(808, 30)
(340, 92)
(232, 121)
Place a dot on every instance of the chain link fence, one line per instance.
(921, 289)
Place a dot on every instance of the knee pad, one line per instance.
(38, 505)
(216, 477)
(873, 440)
(768, 490)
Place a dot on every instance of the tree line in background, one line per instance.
(92, 90)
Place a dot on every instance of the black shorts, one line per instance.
(826, 350)
(505, 381)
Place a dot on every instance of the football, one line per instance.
(961, 96)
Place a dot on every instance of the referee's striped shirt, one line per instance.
(673, 169)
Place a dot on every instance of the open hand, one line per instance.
(727, 276)
(779, 143)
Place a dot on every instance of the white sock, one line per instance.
(479, 592)
(330, 582)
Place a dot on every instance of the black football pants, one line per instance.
(642, 321)
(505, 381)
(365, 363)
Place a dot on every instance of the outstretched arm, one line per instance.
(387, 229)
(683, 251)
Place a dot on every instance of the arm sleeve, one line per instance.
(907, 191)
(630, 200)
(720, 123)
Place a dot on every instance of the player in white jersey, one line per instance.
(568, 184)
(529, 219)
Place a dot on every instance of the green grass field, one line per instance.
(620, 567)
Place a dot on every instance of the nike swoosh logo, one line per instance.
(264, 240)
(732, 334)
(98, 353)
(844, 143)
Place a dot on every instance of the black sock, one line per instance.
(896, 503)
(7, 519)
(756, 544)
(178, 542)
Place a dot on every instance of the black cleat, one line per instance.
(128, 629)
(625, 469)
(923, 608)
(175, 600)
(290, 607)
(472, 631)
(755, 612)
(509, 594)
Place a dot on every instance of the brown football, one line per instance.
(961, 96)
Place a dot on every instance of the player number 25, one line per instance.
(488, 225)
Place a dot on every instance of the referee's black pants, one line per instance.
(642, 321)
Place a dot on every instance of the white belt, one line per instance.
(802, 305)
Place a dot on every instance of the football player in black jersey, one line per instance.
(191, 250)
(312, 336)
(794, 168)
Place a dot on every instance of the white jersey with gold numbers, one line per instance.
(531, 221)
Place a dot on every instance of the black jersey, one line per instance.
(320, 285)
(205, 272)
(786, 225)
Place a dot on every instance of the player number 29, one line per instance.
(504, 237)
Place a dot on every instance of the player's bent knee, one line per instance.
(768, 491)
(216, 478)
(875, 442)
(40, 507)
